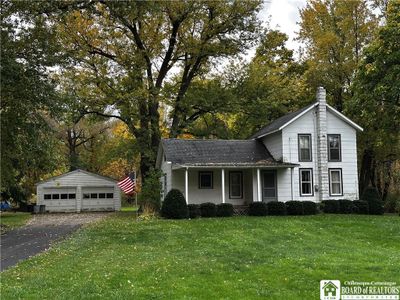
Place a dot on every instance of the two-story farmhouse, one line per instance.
(310, 154)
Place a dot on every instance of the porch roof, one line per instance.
(219, 153)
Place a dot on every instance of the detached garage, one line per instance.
(77, 191)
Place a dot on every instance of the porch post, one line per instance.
(258, 185)
(223, 185)
(187, 185)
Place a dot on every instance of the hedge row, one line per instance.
(276, 208)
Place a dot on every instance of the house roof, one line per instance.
(285, 120)
(218, 153)
(77, 171)
(281, 122)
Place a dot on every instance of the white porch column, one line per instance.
(223, 185)
(258, 185)
(187, 185)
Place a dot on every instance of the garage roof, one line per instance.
(77, 171)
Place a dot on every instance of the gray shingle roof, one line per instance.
(275, 125)
(217, 152)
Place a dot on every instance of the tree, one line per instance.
(123, 52)
(334, 33)
(28, 96)
(376, 104)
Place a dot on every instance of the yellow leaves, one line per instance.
(116, 168)
(121, 130)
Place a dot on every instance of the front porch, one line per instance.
(234, 185)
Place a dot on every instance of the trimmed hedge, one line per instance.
(310, 208)
(174, 205)
(194, 211)
(330, 206)
(225, 210)
(374, 201)
(276, 208)
(361, 207)
(345, 206)
(294, 208)
(208, 210)
(258, 209)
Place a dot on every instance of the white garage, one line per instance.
(77, 191)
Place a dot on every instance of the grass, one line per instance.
(231, 258)
(10, 220)
(129, 208)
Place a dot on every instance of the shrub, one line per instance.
(194, 211)
(310, 208)
(174, 205)
(225, 210)
(276, 208)
(330, 206)
(208, 210)
(149, 197)
(345, 206)
(374, 200)
(392, 203)
(361, 207)
(294, 208)
(258, 209)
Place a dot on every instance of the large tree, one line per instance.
(376, 104)
(334, 33)
(122, 53)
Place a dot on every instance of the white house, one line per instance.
(77, 191)
(310, 154)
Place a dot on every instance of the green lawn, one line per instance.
(233, 258)
(11, 220)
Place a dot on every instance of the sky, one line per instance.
(283, 15)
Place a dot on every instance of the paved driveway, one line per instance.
(39, 233)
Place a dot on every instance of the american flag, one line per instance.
(128, 184)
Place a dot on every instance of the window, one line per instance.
(47, 196)
(205, 180)
(269, 185)
(335, 182)
(71, 196)
(86, 196)
(55, 196)
(102, 195)
(305, 147)
(306, 182)
(334, 147)
(110, 195)
(235, 185)
(93, 196)
(64, 196)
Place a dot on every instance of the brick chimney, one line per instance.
(322, 146)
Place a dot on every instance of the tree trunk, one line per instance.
(366, 169)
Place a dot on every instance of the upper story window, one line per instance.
(305, 150)
(205, 180)
(334, 147)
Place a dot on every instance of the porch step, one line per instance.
(240, 210)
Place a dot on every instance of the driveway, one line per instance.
(39, 233)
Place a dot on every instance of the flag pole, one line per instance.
(137, 209)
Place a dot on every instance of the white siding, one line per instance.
(79, 182)
(348, 164)
(307, 124)
(273, 142)
(166, 180)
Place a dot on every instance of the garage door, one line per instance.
(98, 199)
(59, 199)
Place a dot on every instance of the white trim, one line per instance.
(223, 184)
(258, 185)
(187, 185)
(344, 118)
(298, 116)
(177, 166)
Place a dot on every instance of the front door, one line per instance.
(269, 186)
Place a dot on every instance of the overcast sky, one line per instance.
(283, 15)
